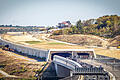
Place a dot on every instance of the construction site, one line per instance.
(37, 55)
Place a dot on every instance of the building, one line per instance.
(64, 24)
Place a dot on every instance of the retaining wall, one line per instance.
(26, 50)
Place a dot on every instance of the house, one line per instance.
(64, 24)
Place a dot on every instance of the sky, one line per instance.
(51, 12)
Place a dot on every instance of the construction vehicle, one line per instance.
(118, 45)
(6, 47)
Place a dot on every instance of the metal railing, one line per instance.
(94, 70)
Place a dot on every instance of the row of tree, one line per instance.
(105, 26)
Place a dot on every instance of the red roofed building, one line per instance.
(64, 24)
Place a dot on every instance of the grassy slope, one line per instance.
(43, 44)
(32, 42)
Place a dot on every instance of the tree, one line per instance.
(57, 32)
(74, 30)
(79, 26)
(115, 23)
(108, 23)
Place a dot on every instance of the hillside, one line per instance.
(18, 65)
(90, 41)
(40, 42)
(115, 41)
(83, 40)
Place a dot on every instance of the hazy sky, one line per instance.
(51, 12)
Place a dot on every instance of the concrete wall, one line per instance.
(26, 50)
(62, 71)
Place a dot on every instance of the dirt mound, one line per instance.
(115, 41)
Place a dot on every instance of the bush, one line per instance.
(58, 32)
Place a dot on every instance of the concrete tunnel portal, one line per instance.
(72, 53)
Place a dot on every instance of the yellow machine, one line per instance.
(119, 45)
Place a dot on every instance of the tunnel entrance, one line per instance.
(61, 54)
(72, 53)
(83, 55)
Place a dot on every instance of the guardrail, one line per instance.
(89, 71)
(65, 62)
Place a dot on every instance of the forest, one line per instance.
(107, 26)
